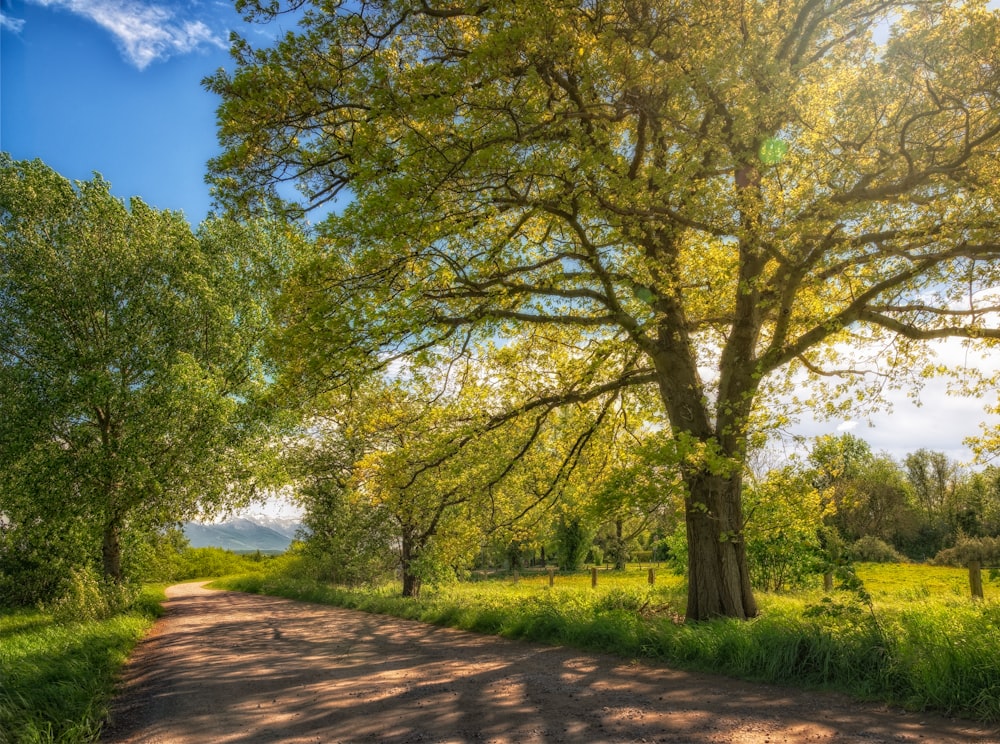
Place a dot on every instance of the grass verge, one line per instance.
(57, 679)
(920, 643)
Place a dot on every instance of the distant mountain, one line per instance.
(287, 526)
(268, 534)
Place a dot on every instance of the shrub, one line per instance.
(781, 534)
(870, 549)
(595, 556)
(677, 550)
(661, 550)
(986, 550)
(38, 559)
(573, 539)
(86, 597)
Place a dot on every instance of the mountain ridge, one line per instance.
(244, 534)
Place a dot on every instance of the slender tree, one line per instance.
(707, 197)
(933, 478)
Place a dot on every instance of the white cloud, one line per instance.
(146, 32)
(11, 24)
(941, 420)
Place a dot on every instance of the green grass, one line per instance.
(56, 679)
(922, 644)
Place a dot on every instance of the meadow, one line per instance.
(908, 635)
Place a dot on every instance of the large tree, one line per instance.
(710, 196)
(129, 360)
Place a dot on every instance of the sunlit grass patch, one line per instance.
(56, 679)
(905, 582)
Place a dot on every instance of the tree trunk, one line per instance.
(411, 582)
(111, 552)
(718, 576)
(619, 547)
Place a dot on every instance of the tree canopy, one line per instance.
(448, 459)
(708, 198)
(129, 359)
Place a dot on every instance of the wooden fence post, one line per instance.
(651, 576)
(828, 581)
(593, 576)
(517, 576)
(976, 579)
(552, 575)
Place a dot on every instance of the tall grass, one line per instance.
(57, 678)
(941, 653)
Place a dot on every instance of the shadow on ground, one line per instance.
(241, 669)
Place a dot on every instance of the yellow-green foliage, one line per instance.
(986, 550)
(199, 563)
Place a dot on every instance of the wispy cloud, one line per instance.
(146, 32)
(11, 24)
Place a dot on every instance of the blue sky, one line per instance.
(114, 86)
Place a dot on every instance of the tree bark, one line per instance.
(411, 582)
(718, 576)
(619, 547)
(111, 552)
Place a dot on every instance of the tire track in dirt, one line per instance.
(231, 668)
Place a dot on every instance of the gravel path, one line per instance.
(224, 667)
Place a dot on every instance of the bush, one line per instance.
(870, 549)
(87, 597)
(200, 563)
(38, 560)
(573, 539)
(661, 550)
(677, 550)
(595, 556)
(986, 550)
(781, 535)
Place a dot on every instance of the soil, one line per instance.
(225, 667)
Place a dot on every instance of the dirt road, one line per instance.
(223, 667)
